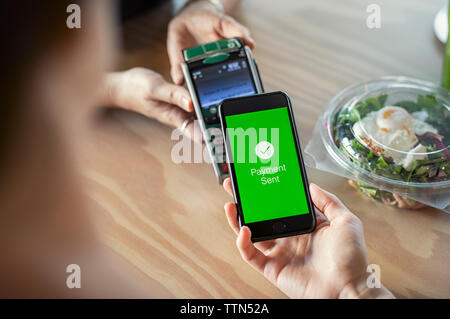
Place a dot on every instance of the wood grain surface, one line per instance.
(167, 219)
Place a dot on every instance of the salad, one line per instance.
(405, 140)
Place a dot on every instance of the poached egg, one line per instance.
(393, 131)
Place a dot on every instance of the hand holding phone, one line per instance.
(266, 166)
(330, 262)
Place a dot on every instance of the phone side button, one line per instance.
(279, 227)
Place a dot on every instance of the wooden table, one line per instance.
(167, 220)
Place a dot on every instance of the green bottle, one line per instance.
(446, 71)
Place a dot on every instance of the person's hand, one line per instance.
(330, 262)
(197, 23)
(146, 92)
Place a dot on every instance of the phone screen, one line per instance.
(266, 164)
(223, 80)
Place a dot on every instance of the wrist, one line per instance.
(359, 289)
(108, 95)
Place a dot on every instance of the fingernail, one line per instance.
(250, 39)
(185, 103)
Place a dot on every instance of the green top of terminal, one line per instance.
(211, 48)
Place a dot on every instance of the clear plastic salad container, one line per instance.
(391, 138)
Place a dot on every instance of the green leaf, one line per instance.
(408, 105)
(427, 100)
(398, 169)
(382, 163)
(382, 99)
(368, 190)
(422, 170)
(414, 166)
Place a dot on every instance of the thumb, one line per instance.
(229, 28)
(175, 70)
(178, 38)
(328, 203)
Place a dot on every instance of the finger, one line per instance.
(321, 219)
(231, 213)
(172, 115)
(229, 28)
(175, 67)
(249, 252)
(227, 186)
(173, 94)
(194, 132)
(327, 203)
(178, 38)
(265, 246)
(168, 114)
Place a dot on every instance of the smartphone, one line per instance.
(266, 166)
(213, 72)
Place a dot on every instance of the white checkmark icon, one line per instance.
(264, 150)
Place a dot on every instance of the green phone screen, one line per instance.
(268, 174)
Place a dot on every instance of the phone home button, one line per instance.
(279, 227)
